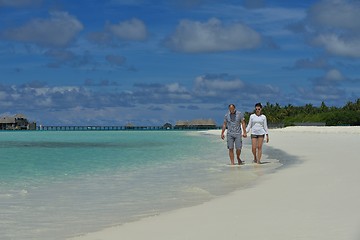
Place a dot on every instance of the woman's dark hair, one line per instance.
(258, 105)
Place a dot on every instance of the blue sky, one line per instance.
(114, 62)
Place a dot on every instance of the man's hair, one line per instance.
(258, 105)
(232, 105)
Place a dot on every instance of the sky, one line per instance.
(146, 63)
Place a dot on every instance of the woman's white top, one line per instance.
(257, 124)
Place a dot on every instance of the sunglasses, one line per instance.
(258, 109)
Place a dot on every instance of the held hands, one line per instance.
(244, 135)
(223, 136)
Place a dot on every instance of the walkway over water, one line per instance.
(115, 128)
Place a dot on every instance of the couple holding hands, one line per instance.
(234, 122)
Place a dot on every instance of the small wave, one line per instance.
(194, 189)
(6, 195)
(14, 193)
(23, 192)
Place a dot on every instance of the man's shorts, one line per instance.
(235, 139)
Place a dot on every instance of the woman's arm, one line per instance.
(266, 129)
(249, 124)
(265, 125)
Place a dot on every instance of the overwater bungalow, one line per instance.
(196, 124)
(17, 122)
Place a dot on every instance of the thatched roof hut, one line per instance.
(7, 120)
(196, 124)
(17, 122)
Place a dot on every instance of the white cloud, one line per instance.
(160, 93)
(340, 46)
(208, 86)
(175, 87)
(212, 36)
(335, 26)
(61, 89)
(334, 75)
(335, 14)
(58, 31)
(133, 29)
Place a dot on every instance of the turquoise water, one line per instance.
(55, 185)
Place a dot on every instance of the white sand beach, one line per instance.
(316, 199)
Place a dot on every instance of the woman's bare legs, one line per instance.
(253, 147)
(260, 141)
(256, 148)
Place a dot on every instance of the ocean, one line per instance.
(58, 184)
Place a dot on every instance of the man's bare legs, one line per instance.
(232, 157)
(238, 152)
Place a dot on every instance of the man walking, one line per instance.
(234, 121)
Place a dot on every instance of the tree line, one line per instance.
(289, 115)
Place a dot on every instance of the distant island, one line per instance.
(277, 116)
(348, 115)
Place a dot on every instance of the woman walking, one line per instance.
(258, 126)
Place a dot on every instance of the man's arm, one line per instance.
(243, 128)
(223, 130)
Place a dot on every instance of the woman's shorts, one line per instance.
(257, 136)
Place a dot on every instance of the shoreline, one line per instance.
(316, 199)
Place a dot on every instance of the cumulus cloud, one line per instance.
(57, 31)
(38, 95)
(327, 87)
(216, 85)
(331, 78)
(317, 93)
(129, 30)
(59, 98)
(339, 45)
(212, 88)
(212, 36)
(209, 91)
(334, 25)
(335, 14)
(161, 93)
(334, 75)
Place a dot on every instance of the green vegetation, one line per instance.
(331, 116)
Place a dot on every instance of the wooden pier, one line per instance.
(118, 128)
(98, 128)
